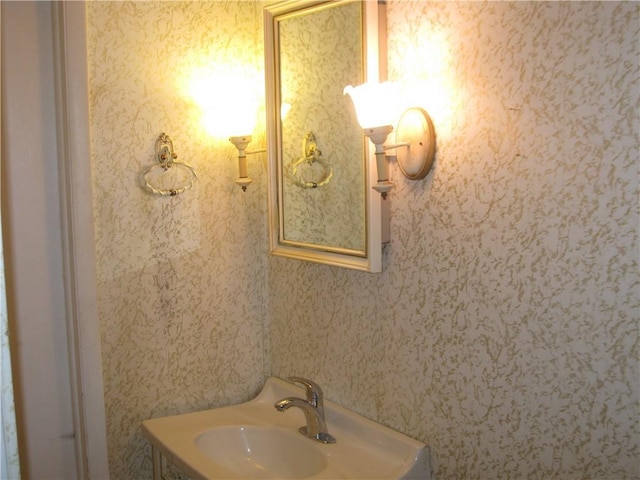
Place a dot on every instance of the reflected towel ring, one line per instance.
(311, 155)
(168, 177)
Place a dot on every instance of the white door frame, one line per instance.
(83, 330)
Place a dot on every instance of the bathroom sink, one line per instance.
(257, 452)
(253, 440)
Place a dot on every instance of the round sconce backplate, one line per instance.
(416, 129)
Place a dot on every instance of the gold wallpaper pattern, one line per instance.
(503, 331)
(181, 300)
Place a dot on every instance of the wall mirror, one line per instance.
(321, 205)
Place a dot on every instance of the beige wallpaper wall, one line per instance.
(181, 301)
(503, 331)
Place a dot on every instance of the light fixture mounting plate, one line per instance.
(415, 128)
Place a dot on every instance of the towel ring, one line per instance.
(168, 177)
(310, 155)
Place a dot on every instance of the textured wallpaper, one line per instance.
(180, 302)
(503, 331)
(320, 54)
(9, 442)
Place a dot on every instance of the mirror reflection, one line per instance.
(321, 207)
(321, 145)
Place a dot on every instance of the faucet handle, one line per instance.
(314, 392)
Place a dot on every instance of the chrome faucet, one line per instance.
(313, 409)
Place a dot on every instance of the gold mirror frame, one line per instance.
(376, 215)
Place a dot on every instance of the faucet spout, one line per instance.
(315, 423)
(316, 427)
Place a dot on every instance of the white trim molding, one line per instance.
(70, 54)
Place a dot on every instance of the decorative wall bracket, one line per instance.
(169, 177)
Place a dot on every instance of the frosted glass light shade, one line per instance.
(376, 104)
(230, 121)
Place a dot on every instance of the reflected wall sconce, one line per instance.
(376, 106)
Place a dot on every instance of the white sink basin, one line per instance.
(257, 452)
(252, 440)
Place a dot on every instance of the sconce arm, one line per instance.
(396, 145)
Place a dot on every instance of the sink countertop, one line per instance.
(364, 449)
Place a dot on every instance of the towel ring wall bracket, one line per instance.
(168, 177)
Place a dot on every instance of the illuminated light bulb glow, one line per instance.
(284, 110)
(228, 99)
(376, 104)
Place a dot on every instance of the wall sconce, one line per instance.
(241, 143)
(243, 122)
(376, 105)
(225, 115)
